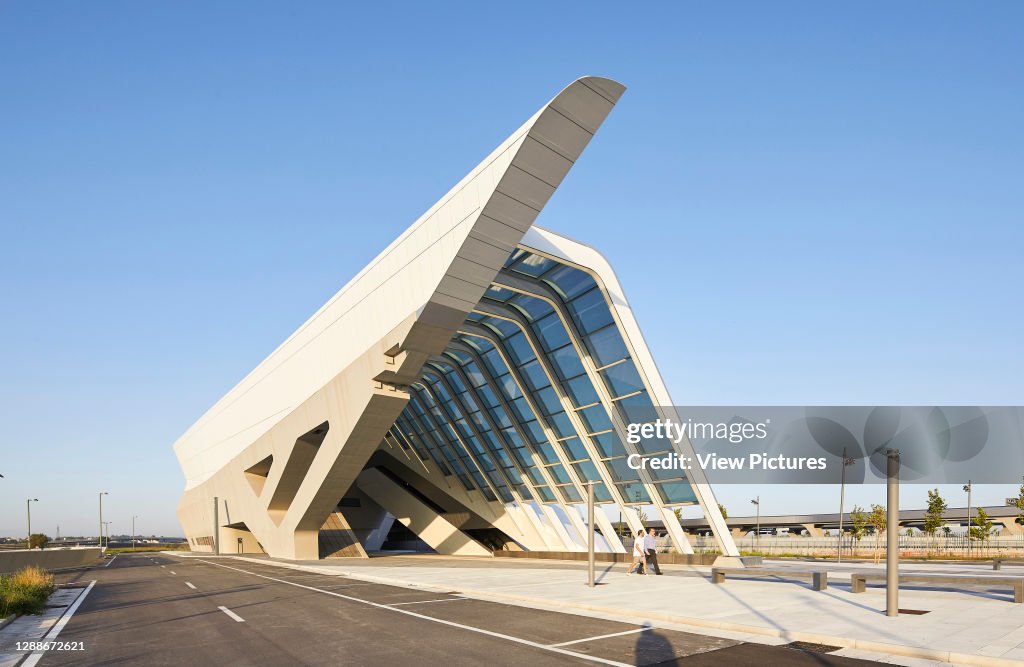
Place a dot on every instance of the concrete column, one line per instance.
(608, 530)
(814, 531)
(556, 524)
(427, 524)
(675, 531)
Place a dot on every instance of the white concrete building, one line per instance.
(460, 391)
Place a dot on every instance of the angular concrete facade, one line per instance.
(459, 393)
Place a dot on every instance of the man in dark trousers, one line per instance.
(650, 546)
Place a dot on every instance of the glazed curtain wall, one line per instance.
(513, 410)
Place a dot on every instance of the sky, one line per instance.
(806, 203)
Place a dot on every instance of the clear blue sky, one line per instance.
(807, 204)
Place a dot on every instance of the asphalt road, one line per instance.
(152, 609)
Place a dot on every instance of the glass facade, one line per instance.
(513, 409)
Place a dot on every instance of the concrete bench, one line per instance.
(858, 581)
(819, 578)
(997, 563)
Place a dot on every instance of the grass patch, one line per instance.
(161, 547)
(25, 591)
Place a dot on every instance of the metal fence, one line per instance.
(955, 546)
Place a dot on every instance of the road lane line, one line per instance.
(238, 619)
(595, 638)
(395, 604)
(490, 633)
(173, 572)
(107, 564)
(190, 585)
(32, 659)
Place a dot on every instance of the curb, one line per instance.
(4, 622)
(795, 635)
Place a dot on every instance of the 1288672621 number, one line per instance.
(49, 646)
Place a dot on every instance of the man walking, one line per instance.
(651, 547)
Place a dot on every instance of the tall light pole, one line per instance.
(892, 530)
(133, 530)
(967, 488)
(102, 493)
(757, 533)
(847, 461)
(28, 510)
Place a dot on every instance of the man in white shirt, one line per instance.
(651, 547)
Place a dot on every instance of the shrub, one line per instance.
(25, 591)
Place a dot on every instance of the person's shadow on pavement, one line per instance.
(652, 648)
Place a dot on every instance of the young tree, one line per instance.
(933, 515)
(858, 525)
(1018, 502)
(725, 515)
(982, 528)
(38, 541)
(878, 522)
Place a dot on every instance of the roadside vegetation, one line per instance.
(25, 591)
(148, 547)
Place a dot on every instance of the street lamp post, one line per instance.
(28, 511)
(967, 488)
(757, 532)
(133, 530)
(102, 493)
(847, 461)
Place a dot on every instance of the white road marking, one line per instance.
(395, 604)
(238, 619)
(59, 625)
(190, 585)
(173, 572)
(107, 564)
(490, 633)
(595, 638)
(163, 566)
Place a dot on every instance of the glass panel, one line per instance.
(595, 418)
(535, 477)
(508, 387)
(547, 453)
(499, 293)
(533, 265)
(561, 425)
(521, 410)
(620, 471)
(575, 449)
(569, 282)
(571, 494)
(549, 402)
(488, 397)
(633, 493)
(551, 332)
(607, 346)
(535, 432)
(637, 409)
(532, 307)
(519, 349)
(590, 312)
(602, 494)
(676, 492)
(512, 438)
(534, 375)
(559, 474)
(587, 471)
(545, 494)
(476, 377)
(609, 444)
(581, 391)
(622, 379)
(567, 363)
